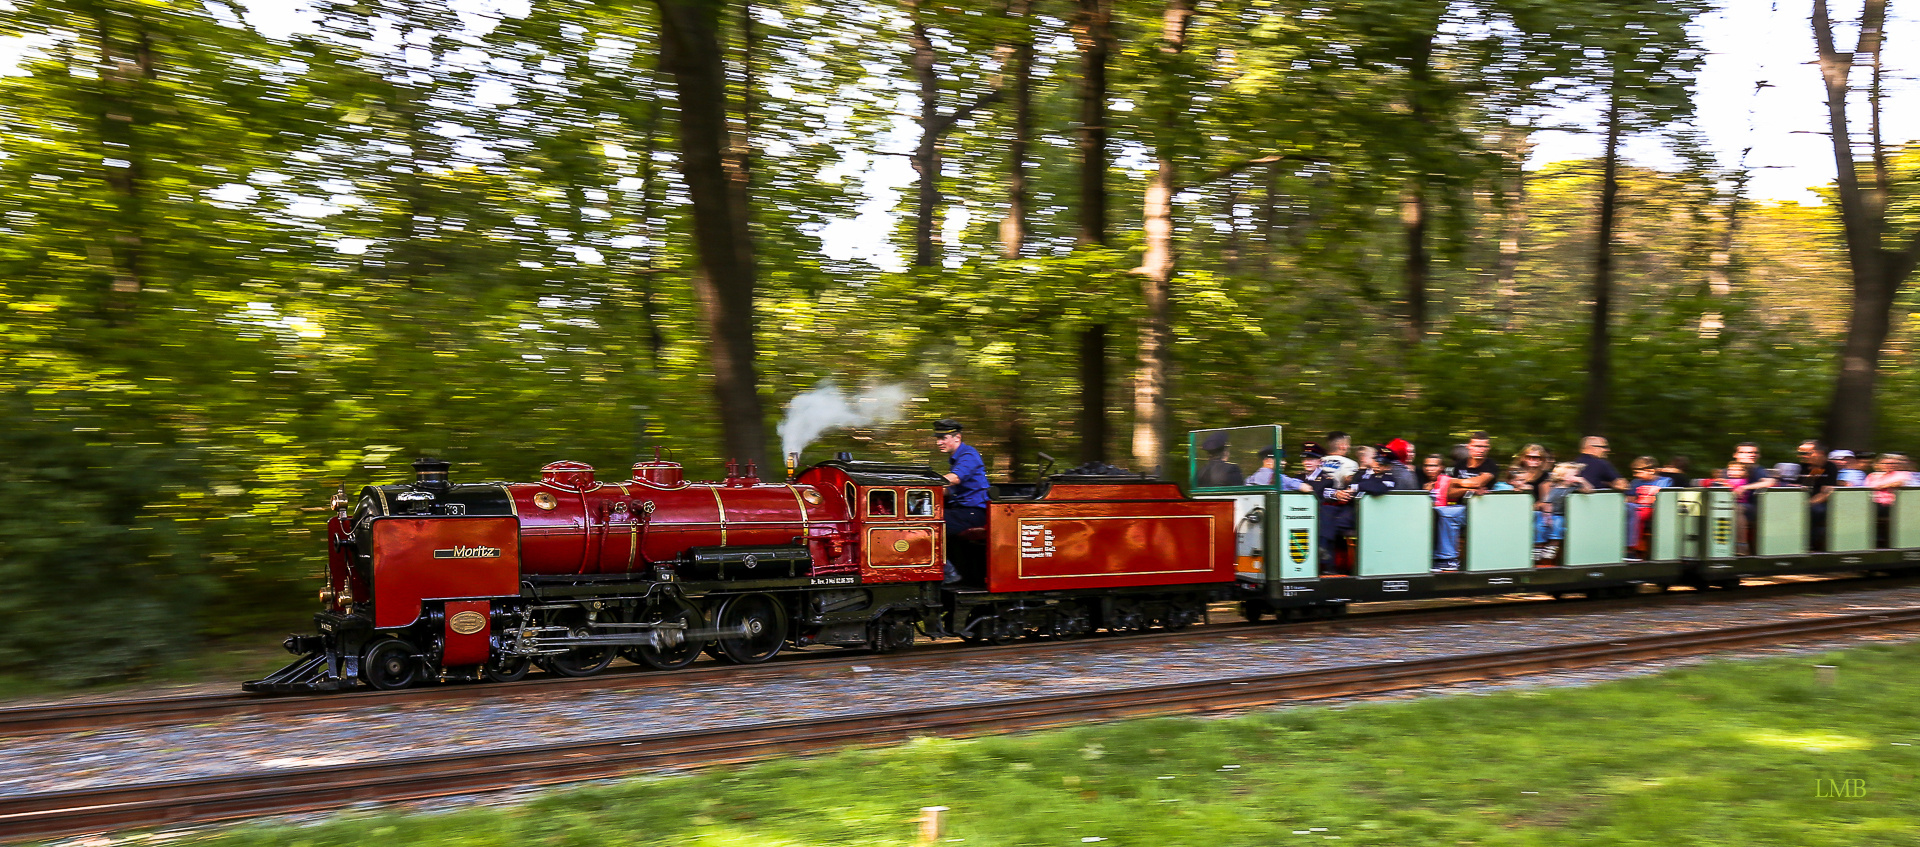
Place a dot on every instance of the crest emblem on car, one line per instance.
(1297, 545)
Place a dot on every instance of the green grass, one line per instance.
(1725, 753)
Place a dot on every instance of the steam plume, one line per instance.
(825, 407)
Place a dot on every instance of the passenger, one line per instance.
(1400, 454)
(1531, 468)
(1861, 462)
(1676, 472)
(1217, 472)
(1550, 513)
(1336, 461)
(1473, 472)
(1310, 471)
(1269, 474)
(1263, 475)
(1645, 489)
(1845, 470)
(1594, 467)
(1757, 478)
(1377, 473)
(966, 488)
(1338, 515)
(1889, 474)
(1432, 468)
(1819, 476)
(1735, 477)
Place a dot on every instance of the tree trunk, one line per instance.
(1093, 394)
(933, 125)
(1156, 290)
(1514, 148)
(1413, 220)
(739, 156)
(724, 283)
(1269, 220)
(1019, 69)
(1413, 202)
(1878, 272)
(926, 154)
(1093, 31)
(1593, 409)
(1150, 414)
(1720, 261)
(127, 65)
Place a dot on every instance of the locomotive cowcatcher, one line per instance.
(434, 580)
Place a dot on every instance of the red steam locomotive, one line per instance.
(434, 580)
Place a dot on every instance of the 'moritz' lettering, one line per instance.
(468, 553)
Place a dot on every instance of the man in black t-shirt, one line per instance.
(1594, 467)
(1474, 472)
(1819, 477)
(1477, 472)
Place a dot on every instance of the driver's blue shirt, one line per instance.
(971, 490)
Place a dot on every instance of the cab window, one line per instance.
(919, 504)
(881, 503)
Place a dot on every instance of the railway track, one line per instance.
(159, 711)
(221, 798)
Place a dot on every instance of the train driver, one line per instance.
(966, 481)
(966, 497)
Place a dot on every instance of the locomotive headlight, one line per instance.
(326, 596)
(346, 599)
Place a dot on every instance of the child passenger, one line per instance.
(1550, 515)
(1734, 477)
(1642, 490)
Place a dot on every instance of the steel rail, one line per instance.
(157, 711)
(277, 792)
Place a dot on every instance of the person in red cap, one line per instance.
(1399, 456)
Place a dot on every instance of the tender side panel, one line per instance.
(1596, 529)
(416, 559)
(1905, 518)
(1045, 545)
(1851, 521)
(1500, 531)
(1396, 534)
(1782, 518)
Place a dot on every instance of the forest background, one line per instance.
(238, 271)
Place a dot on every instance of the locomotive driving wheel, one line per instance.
(580, 661)
(390, 664)
(755, 627)
(671, 648)
(503, 667)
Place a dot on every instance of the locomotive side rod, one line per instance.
(246, 795)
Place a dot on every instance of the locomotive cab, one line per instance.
(898, 515)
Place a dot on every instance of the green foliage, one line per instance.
(1728, 753)
(101, 580)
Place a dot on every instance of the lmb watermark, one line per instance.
(1850, 789)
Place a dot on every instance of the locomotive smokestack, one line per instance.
(431, 473)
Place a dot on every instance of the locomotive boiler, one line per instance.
(437, 578)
